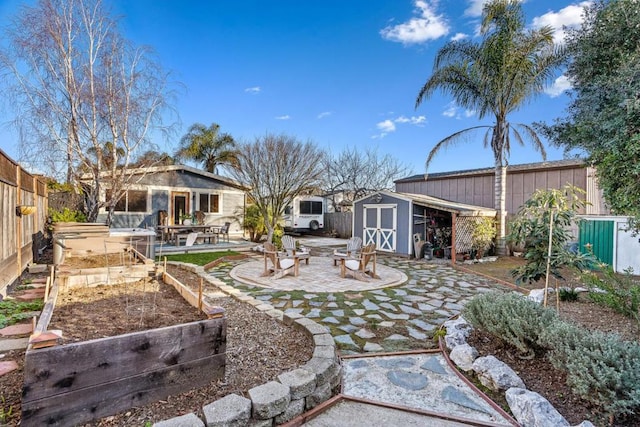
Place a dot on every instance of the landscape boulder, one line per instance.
(532, 410)
(463, 356)
(495, 374)
(458, 331)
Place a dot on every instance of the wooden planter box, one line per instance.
(76, 383)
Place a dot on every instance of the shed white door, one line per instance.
(380, 224)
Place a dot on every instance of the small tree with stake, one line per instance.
(543, 225)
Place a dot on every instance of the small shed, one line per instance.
(611, 240)
(390, 220)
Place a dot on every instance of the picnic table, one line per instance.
(175, 233)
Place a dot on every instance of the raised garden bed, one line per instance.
(145, 352)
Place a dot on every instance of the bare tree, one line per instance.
(353, 174)
(83, 93)
(276, 168)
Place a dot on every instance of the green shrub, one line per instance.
(66, 215)
(568, 294)
(621, 291)
(601, 368)
(510, 317)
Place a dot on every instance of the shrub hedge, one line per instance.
(601, 368)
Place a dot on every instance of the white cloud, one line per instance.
(450, 111)
(285, 117)
(459, 36)
(568, 17)
(455, 112)
(324, 114)
(414, 120)
(253, 90)
(389, 125)
(475, 8)
(386, 126)
(426, 26)
(561, 84)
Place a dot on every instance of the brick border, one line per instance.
(292, 394)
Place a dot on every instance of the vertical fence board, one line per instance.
(29, 190)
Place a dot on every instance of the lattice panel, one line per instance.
(464, 231)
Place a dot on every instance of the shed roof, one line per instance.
(462, 209)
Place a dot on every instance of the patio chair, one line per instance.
(358, 267)
(277, 264)
(289, 245)
(354, 244)
(224, 231)
(199, 217)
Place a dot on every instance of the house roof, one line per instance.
(461, 209)
(170, 168)
(554, 164)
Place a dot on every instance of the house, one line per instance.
(177, 191)
(476, 186)
(392, 219)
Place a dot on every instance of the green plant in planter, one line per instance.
(484, 231)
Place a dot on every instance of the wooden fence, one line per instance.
(339, 222)
(21, 236)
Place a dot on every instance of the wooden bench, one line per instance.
(202, 236)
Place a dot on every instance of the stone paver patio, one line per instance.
(399, 312)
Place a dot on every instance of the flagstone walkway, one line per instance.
(368, 320)
(370, 316)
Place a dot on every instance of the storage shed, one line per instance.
(611, 241)
(390, 220)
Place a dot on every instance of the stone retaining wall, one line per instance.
(284, 398)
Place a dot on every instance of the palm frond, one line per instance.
(448, 141)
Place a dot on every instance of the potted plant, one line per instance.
(186, 219)
(443, 241)
(484, 231)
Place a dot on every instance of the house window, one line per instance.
(131, 201)
(311, 208)
(210, 203)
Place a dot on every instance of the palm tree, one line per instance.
(207, 146)
(496, 77)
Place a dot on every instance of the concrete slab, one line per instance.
(348, 413)
(408, 381)
(13, 344)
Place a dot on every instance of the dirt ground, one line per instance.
(259, 347)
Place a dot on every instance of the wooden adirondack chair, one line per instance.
(277, 264)
(289, 245)
(359, 267)
(354, 245)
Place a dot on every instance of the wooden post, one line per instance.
(200, 294)
(18, 219)
(454, 221)
(51, 278)
(46, 289)
(546, 280)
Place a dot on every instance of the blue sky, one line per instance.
(340, 73)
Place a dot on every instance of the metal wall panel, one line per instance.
(598, 234)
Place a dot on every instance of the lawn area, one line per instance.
(200, 258)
